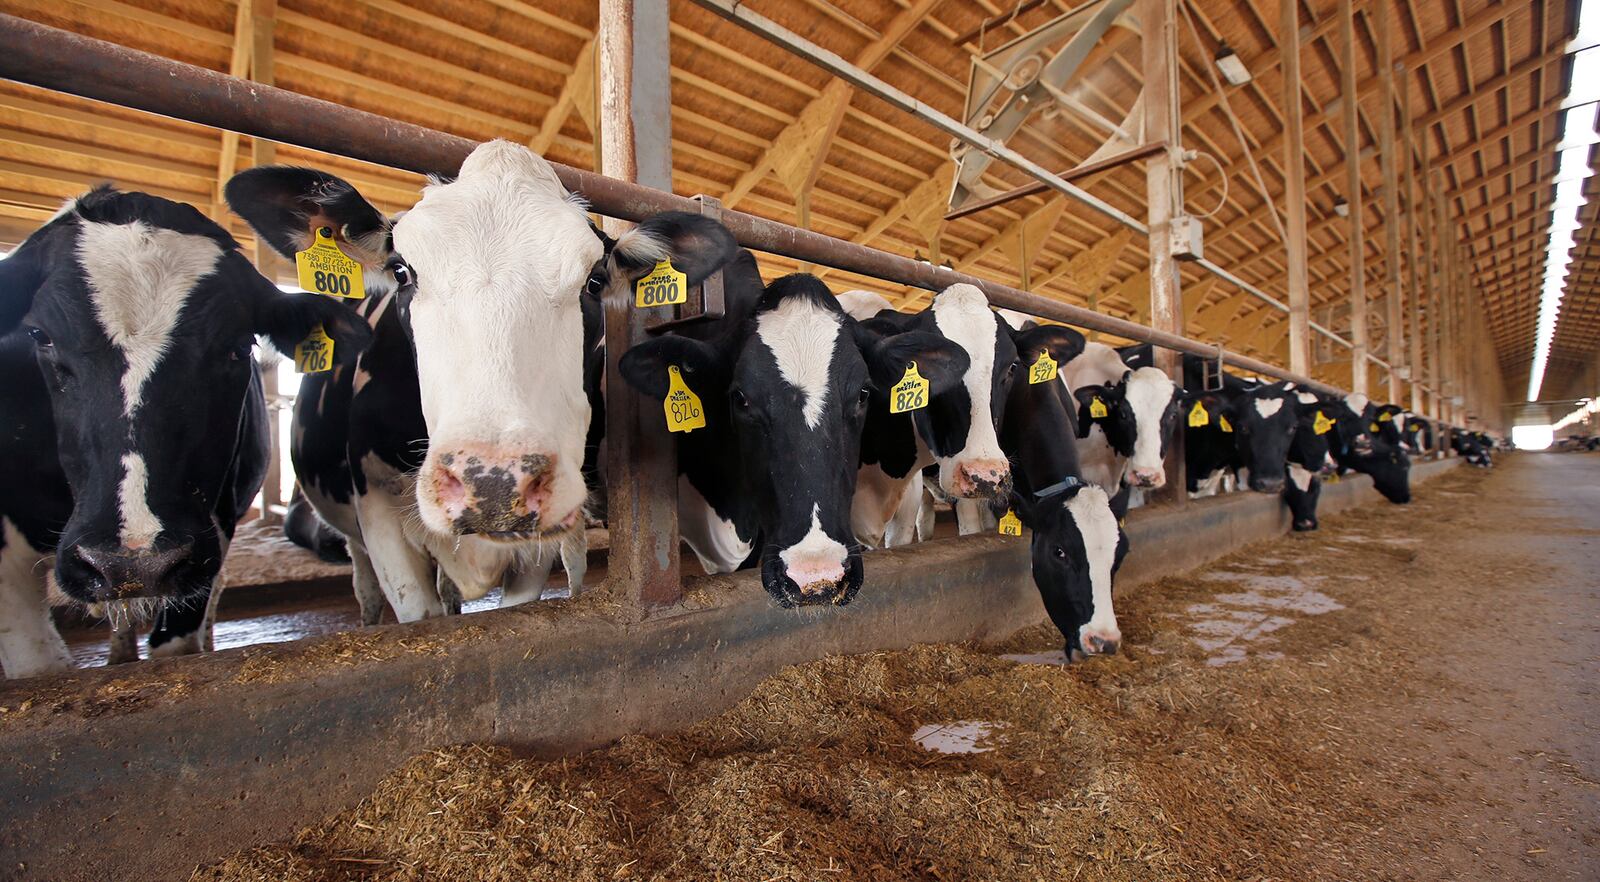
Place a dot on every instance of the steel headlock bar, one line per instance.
(51, 58)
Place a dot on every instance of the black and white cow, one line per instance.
(132, 422)
(1245, 427)
(451, 455)
(1076, 545)
(302, 527)
(1359, 447)
(1476, 448)
(1127, 417)
(958, 432)
(1310, 458)
(1416, 434)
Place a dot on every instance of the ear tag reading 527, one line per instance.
(1097, 408)
(1322, 424)
(684, 413)
(314, 354)
(1010, 525)
(1043, 370)
(911, 393)
(664, 286)
(324, 269)
(1198, 416)
(1223, 424)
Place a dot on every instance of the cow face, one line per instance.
(1264, 419)
(1142, 411)
(1076, 549)
(1311, 449)
(487, 270)
(792, 387)
(144, 313)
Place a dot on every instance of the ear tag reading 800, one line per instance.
(1223, 424)
(664, 286)
(314, 354)
(1010, 525)
(1043, 370)
(1097, 408)
(1198, 416)
(1322, 424)
(911, 393)
(684, 413)
(324, 269)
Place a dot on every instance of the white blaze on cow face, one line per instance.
(1149, 393)
(1300, 476)
(816, 563)
(962, 314)
(140, 526)
(801, 335)
(500, 256)
(1268, 406)
(1357, 402)
(1091, 510)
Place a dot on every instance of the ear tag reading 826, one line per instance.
(1223, 424)
(314, 354)
(324, 269)
(1043, 370)
(1010, 525)
(1198, 416)
(911, 393)
(684, 413)
(1097, 408)
(1322, 424)
(664, 286)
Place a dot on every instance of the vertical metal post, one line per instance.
(264, 152)
(1414, 351)
(1351, 112)
(641, 456)
(1164, 193)
(1394, 347)
(1294, 170)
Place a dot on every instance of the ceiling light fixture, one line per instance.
(1232, 66)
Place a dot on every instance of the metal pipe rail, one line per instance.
(62, 61)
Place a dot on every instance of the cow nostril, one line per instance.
(452, 493)
(126, 573)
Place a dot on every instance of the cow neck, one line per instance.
(1037, 436)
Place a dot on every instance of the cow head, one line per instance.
(144, 313)
(1315, 430)
(1076, 549)
(1141, 416)
(788, 390)
(1264, 419)
(486, 271)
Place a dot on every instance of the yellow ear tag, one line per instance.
(664, 286)
(1331, 479)
(1198, 416)
(1322, 424)
(1223, 424)
(684, 413)
(1010, 525)
(324, 269)
(1097, 408)
(314, 354)
(911, 393)
(1385, 417)
(1043, 370)
(1373, 427)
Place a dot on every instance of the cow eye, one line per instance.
(864, 396)
(1059, 552)
(240, 352)
(39, 337)
(403, 276)
(739, 401)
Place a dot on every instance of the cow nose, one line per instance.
(1149, 478)
(1262, 484)
(1102, 645)
(495, 495)
(816, 575)
(981, 479)
(122, 573)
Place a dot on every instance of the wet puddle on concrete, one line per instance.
(1237, 625)
(962, 736)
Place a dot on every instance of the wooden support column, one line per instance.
(1358, 231)
(1414, 252)
(641, 456)
(1394, 347)
(260, 32)
(1164, 194)
(1436, 292)
(1294, 197)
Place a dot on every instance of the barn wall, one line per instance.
(143, 772)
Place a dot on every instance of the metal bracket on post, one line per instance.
(708, 301)
(1211, 372)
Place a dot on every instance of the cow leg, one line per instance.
(364, 584)
(405, 572)
(973, 516)
(124, 643)
(925, 518)
(902, 527)
(29, 642)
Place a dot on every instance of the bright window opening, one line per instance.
(1532, 437)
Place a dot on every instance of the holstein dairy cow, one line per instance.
(1476, 448)
(786, 380)
(1416, 434)
(1310, 458)
(458, 438)
(1077, 545)
(1245, 427)
(132, 422)
(1126, 418)
(1358, 446)
(958, 429)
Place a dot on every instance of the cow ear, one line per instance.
(286, 205)
(644, 367)
(288, 319)
(1063, 343)
(20, 277)
(1086, 396)
(940, 361)
(697, 245)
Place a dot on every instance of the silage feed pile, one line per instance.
(1177, 760)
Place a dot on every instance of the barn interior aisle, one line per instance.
(1404, 703)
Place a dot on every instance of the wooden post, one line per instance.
(1394, 347)
(1294, 171)
(1164, 193)
(1414, 351)
(262, 152)
(636, 139)
(1436, 294)
(1351, 112)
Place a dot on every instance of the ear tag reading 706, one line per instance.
(1198, 416)
(684, 413)
(314, 354)
(1223, 424)
(324, 269)
(664, 286)
(1322, 424)
(1097, 408)
(1010, 525)
(911, 393)
(1043, 370)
